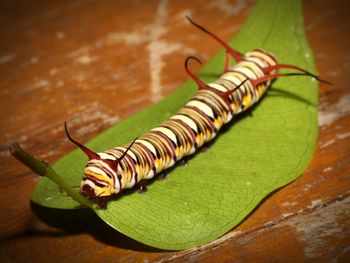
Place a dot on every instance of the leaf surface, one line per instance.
(250, 158)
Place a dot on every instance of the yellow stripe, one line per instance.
(98, 176)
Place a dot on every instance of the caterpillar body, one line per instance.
(237, 89)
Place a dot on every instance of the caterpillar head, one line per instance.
(100, 194)
(97, 183)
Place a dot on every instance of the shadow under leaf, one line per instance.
(85, 221)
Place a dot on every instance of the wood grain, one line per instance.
(55, 56)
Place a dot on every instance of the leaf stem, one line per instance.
(44, 169)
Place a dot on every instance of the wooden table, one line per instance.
(72, 61)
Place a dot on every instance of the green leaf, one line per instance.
(252, 157)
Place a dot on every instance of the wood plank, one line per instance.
(73, 61)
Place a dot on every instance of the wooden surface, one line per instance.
(94, 63)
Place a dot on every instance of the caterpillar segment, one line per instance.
(237, 89)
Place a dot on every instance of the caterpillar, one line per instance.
(199, 121)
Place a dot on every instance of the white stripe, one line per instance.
(130, 153)
(232, 76)
(252, 67)
(149, 146)
(167, 132)
(217, 87)
(107, 156)
(262, 56)
(186, 120)
(102, 163)
(201, 106)
(260, 62)
(150, 174)
(131, 183)
(246, 71)
(89, 182)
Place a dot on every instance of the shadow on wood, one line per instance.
(85, 221)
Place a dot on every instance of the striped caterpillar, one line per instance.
(237, 89)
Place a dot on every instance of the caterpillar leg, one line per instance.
(161, 176)
(102, 202)
(249, 112)
(142, 187)
(229, 51)
(205, 147)
(183, 161)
